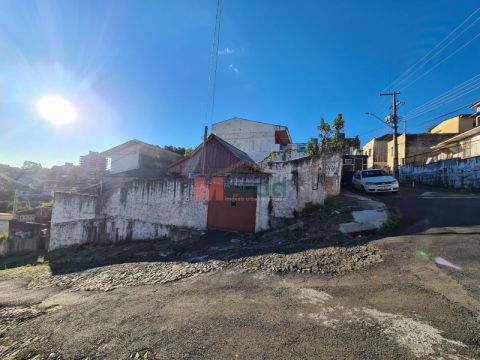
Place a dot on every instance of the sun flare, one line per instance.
(56, 110)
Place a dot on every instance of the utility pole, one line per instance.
(204, 152)
(394, 121)
(15, 203)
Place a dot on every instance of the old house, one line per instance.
(376, 150)
(218, 187)
(461, 146)
(257, 139)
(414, 148)
(136, 154)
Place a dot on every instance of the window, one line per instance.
(373, 173)
(348, 161)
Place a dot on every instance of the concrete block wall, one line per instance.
(453, 173)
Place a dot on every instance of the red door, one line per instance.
(237, 212)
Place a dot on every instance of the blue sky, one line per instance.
(139, 69)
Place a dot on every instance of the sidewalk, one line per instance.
(370, 216)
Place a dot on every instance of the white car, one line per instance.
(374, 180)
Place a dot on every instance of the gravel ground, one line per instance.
(331, 260)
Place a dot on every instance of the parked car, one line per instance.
(374, 180)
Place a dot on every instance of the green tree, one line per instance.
(332, 137)
(312, 147)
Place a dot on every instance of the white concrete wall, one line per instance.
(255, 138)
(453, 173)
(72, 215)
(137, 210)
(125, 161)
(167, 202)
(307, 180)
(4, 222)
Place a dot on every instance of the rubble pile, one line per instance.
(331, 260)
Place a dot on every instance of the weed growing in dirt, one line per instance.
(392, 223)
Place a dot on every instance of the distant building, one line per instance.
(454, 125)
(93, 163)
(461, 146)
(414, 148)
(376, 150)
(353, 146)
(287, 153)
(4, 220)
(26, 215)
(476, 106)
(257, 139)
(136, 154)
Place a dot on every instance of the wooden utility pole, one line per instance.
(394, 123)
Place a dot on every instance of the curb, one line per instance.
(367, 221)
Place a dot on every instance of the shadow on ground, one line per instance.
(316, 227)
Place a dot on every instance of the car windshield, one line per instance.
(374, 173)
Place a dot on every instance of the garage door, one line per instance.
(237, 212)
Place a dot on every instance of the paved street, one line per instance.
(427, 207)
(408, 306)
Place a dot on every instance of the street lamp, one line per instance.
(391, 122)
(378, 117)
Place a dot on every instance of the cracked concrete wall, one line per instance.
(138, 210)
(305, 180)
(71, 218)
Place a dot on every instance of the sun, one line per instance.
(57, 110)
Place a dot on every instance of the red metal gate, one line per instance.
(236, 212)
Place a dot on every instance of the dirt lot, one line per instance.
(352, 300)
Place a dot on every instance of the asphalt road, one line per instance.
(423, 208)
(444, 225)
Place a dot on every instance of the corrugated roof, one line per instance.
(241, 155)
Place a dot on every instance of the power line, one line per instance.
(441, 62)
(446, 97)
(440, 116)
(425, 59)
(212, 77)
(445, 102)
(445, 94)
